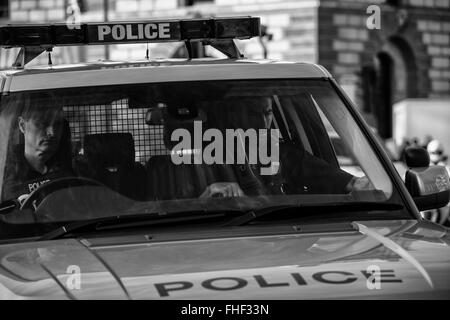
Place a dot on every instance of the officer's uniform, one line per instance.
(22, 179)
(299, 173)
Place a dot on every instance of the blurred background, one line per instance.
(397, 74)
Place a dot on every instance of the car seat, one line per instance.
(110, 159)
(166, 180)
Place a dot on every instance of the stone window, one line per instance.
(4, 9)
(394, 3)
(189, 3)
(369, 82)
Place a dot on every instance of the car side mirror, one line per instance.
(429, 186)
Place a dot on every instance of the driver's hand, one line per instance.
(358, 184)
(224, 189)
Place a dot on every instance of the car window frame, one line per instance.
(345, 101)
(397, 182)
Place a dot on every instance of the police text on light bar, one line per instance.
(147, 31)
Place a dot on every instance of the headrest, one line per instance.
(239, 112)
(109, 150)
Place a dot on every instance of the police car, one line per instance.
(202, 178)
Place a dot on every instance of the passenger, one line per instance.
(43, 152)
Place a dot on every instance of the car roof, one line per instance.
(148, 71)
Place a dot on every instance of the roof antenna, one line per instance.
(147, 53)
(50, 63)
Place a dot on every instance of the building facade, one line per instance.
(380, 51)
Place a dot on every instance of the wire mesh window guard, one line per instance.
(116, 117)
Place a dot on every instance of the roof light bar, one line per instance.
(129, 32)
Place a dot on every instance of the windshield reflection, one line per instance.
(77, 154)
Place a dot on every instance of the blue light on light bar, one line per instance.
(129, 32)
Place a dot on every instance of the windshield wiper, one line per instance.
(139, 220)
(239, 217)
(318, 209)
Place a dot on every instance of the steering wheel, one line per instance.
(35, 197)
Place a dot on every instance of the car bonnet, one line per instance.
(389, 259)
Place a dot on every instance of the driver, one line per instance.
(300, 171)
(43, 149)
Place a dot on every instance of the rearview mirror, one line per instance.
(429, 186)
(154, 116)
(163, 114)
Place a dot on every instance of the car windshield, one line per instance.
(82, 153)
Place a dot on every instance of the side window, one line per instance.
(189, 3)
(4, 9)
(344, 155)
(307, 127)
